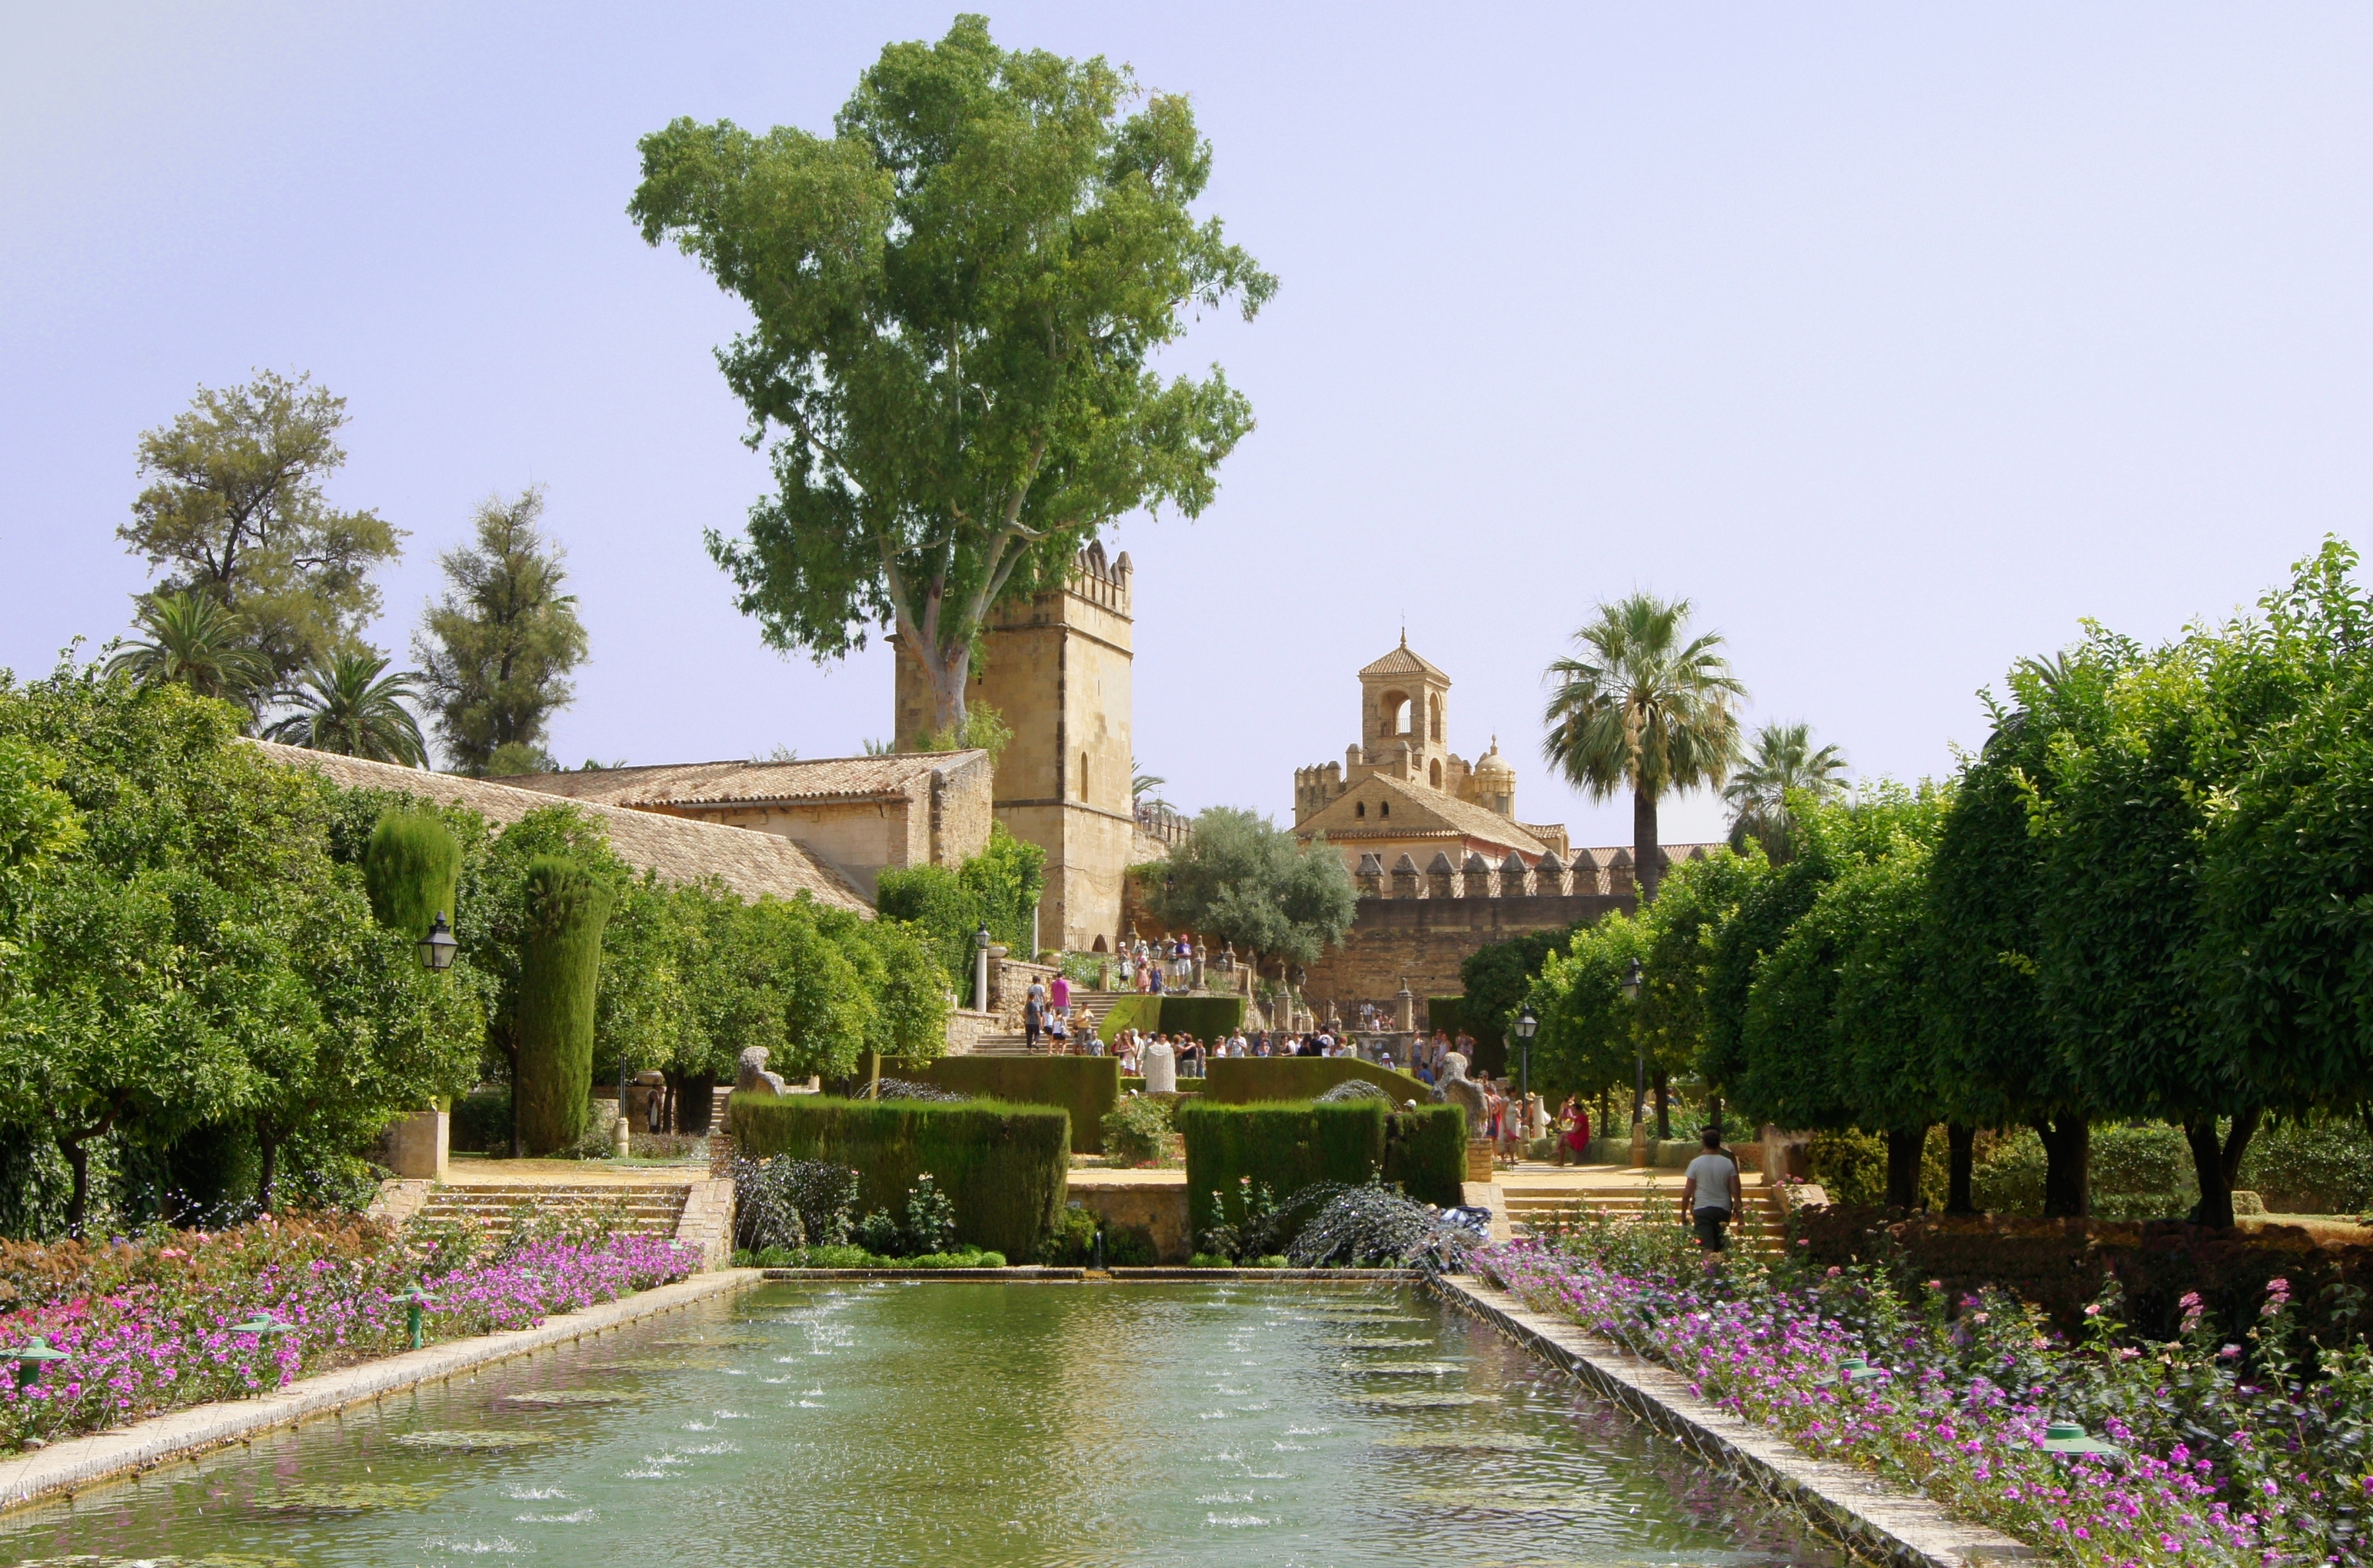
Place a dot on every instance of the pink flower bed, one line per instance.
(2231, 1453)
(154, 1332)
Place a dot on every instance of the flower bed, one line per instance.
(146, 1326)
(2250, 1451)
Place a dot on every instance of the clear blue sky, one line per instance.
(1898, 338)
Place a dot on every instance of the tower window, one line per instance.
(1437, 773)
(1359, 808)
(1084, 776)
(1435, 704)
(1385, 808)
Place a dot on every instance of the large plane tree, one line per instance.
(958, 296)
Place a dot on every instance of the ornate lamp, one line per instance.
(1526, 1022)
(438, 948)
(1639, 1049)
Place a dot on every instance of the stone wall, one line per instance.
(1422, 942)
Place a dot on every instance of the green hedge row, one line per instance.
(1242, 1080)
(1006, 1167)
(1207, 1018)
(1286, 1147)
(1087, 1086)
(1447, 1013)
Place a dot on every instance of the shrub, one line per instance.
(782, 1202)
(1425, 1154)
(1087, 1086)
(1070, 1242)
(1205, 1017)
(1139, 1132)
(1131, 1246)
(1004, 1167)
(1239, 1081)
(1282, 1148)
(560, 967)
(2322, 1167)
(410, 869)
(2136, 1173)
(481, 1121)
(1210, 1261)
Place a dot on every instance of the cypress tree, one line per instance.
(559, 971)
(412, 869)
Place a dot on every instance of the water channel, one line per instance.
(947, 1425)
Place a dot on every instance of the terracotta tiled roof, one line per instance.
(1401, 662)
(1462, 817)
(678, 849)
(729, 783)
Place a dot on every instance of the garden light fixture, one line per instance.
(32, 1356)
(2067, 1437)
(1632, 982)
(438, 948)
(980, 939)
(413, 1300)
(263, 1326)
(1527, 1021)
(1853, 1369)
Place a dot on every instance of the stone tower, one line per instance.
(1056, 668)
(1403, 717)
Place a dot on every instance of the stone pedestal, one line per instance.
(1639, 1142)
(418, 1145)
(1161, 1070)
(1404, 1009)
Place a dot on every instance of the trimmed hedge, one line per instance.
(1286, 1147)
(1006, 1167)
(1447, 1013)
(1242, 1079)
(1208, 1018)
(1425, 1152)
(1087, 1086)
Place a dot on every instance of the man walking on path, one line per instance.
(1711, 1193)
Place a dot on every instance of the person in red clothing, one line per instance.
(1576, 1122)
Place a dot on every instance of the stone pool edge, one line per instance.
(1871, 1517)
(77, 1464)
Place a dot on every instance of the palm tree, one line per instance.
(195, 642)
(1646, 708)
(1783, 760)
(347, 703)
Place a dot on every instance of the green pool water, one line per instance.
(952, 1425)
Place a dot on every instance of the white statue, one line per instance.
(752, 1077)
(1161, 1069)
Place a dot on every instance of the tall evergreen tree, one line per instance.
(234, 510)
(499, 648)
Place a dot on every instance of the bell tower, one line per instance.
(1403, 717)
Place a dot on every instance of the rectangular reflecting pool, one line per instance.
(943, 1425)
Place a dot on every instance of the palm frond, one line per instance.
(349, 704)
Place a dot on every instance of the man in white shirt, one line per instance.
(1711, 1193)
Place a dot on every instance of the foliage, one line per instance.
(411, 870)
(1005, 1167)
(1086, 1086)
(1284, 1148)
(2136, 1173)
(1783, 761)
(1205, 1018)
(482, 1122)
(1496, 979)
(496, 652)
(146, 1322)
(234, 510)
(194, 642)
(559, 969)
(1137, 1132)
(346, 702)
(998, 888)
(1587, 1040)
(958, 296)
(2325, 1166)
(1645, 707)
(1240, 878)
(848, 1256)
(1425, 1154)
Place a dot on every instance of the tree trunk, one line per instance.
(2219, 1162)
(78, 1162)
(1904, 1147)
(1647, 855)
(1663, 1084)
(1962, 1145)
(1713, 1114)
(268, 1151)
(510, 1062)
(2067, 1179)
(945, 672)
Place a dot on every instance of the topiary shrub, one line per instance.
(412, 867)
(1205, 1017)
(1425, 1154)
(2320, 1167)
(1004, 1167)
(1245, 1149)
(559, 969)
(1087, 1086)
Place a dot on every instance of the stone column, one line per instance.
(1405, 1009)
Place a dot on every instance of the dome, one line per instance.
(1494, 766)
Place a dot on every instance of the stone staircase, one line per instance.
(1757, 1225)
(648, 1211)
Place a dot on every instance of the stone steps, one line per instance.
(648, 1210)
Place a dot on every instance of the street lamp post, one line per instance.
(438, 948)
(1526, 1022)
(1638, 1066)
(980, 970)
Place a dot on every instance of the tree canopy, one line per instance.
(958, 296)
(1240, 878)
(497, 650)
(235, 508)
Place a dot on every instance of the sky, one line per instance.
(1899, 340)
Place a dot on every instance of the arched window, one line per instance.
(1385, 808)
(1435, 704)
(1437, 773)
(1360, 808)
(1393, 713)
